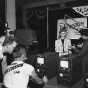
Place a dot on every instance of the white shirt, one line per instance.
(59, 46)
(1, 54)
(1, 42)
(2, 38)
(17, 75)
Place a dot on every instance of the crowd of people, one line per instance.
(17, 73)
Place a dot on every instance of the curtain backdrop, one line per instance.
(37, 20)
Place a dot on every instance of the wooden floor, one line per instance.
(52, 83)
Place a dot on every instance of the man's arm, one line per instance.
(4, 64)
(37, 79)
(29, 69)
(84, 49)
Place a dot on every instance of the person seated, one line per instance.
(83, 46)
(62, 44)
(17, 74)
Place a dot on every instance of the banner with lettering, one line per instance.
(72, 33)
(83, 10)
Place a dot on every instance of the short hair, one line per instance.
(84, 32)
(18, 51)
(9, 40)
(63, 30)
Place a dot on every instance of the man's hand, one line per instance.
(80, 45)
(45, 79)
(72, 47)
(37, 79)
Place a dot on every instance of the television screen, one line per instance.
(40, 60)
(64, 64)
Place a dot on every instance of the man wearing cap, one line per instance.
(17, 74)
(84, 46)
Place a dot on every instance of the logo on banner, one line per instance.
(83, 10)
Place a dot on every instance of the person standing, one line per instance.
(62, 44)
(8, 43)
(84, 46)
(17, 74)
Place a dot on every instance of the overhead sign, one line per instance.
(83, 10)
(72, 33)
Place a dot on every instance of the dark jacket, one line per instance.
(84, 49)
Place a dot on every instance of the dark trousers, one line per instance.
(1, 75)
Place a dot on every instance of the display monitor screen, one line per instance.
(64, 64)
(40, 60)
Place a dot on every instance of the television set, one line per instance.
(46, 64)
(69, 70)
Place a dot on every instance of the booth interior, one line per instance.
(67, 70)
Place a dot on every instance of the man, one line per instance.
(84, 46)
(62, 45)
(17, 74)
(7, 45)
